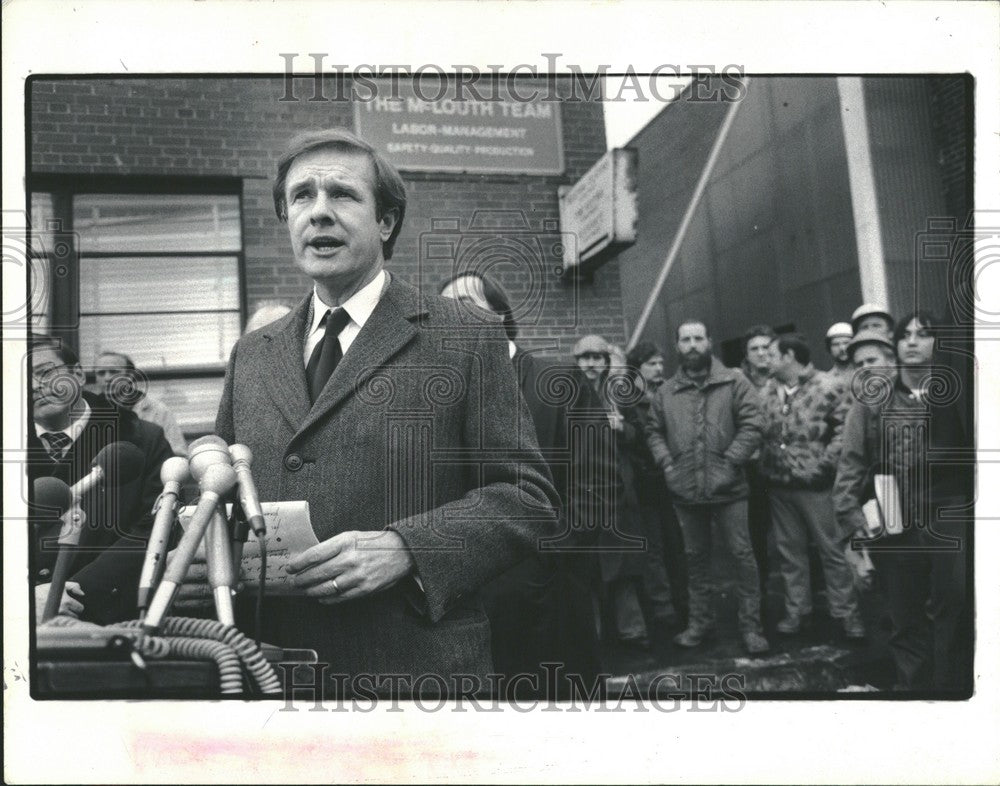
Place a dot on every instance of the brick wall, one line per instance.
(950, 101)
(237, 127)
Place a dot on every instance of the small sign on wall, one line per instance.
(600, 210)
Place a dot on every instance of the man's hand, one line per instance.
(862, 569)
(71, 605)
(360, 562)
(618, 364)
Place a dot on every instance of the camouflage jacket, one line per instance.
(802, 431)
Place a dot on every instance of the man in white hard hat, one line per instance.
(837, 338)
(871, 316)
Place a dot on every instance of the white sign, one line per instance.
(600, 210)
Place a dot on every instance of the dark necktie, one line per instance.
(56, 443)
(326, 354)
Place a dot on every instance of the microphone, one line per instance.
(51, 494)
(121, 461)
(221, 559)
(55, 503)
(206, 451)
(56, 498)
(173, 473)
(249, 500)
(221, 573)
(217, 481)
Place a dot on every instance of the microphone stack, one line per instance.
(158, 654)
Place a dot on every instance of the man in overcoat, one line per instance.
(395, 419)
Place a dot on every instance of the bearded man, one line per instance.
(704, 426)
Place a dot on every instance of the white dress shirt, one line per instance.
(359, 308)
(73, 430)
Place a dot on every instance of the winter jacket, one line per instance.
(604, 510)
(701, 436)
(925, 447)
(753, 377)
(799, 449)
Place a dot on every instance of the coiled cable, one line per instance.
(228, 662)
(179, 635)
(152, 647)
(226, 659)
(256, 664)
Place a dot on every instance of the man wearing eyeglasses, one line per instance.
(803, 409)
(69, 428)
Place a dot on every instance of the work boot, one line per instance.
(854, 628)
(640, 643)
(790, 625)
(692, 637)
(755, 643)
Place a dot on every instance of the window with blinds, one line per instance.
(158, 278)
(42, 261)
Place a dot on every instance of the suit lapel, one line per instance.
(390, 328)
(284, 373)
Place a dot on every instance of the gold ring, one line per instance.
(335, 587)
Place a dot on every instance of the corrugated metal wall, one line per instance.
(773, 240)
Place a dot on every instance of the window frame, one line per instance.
(64, 306)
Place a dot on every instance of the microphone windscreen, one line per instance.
(206, 451)
(208, 439)
(54, 494)
(121, 462)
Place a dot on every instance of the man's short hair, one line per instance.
(126, 360)
(692, 322)
(390, 192)
(642, 352)
(65, 353)
(924, 318)
(495, 295)
(795, 342)
(754, 331)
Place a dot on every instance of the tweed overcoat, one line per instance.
(417, 431)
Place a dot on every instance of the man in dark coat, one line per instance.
(906, 424)
(539, 610)
(666, 575)
(395, 420)
(603, 505)
(70, 427)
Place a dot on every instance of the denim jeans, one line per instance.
(797, 515)
(731, 520)
(759, 519)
